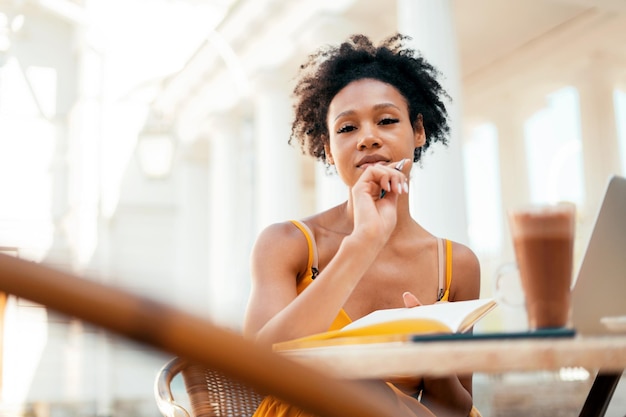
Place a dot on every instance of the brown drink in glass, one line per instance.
(543, 237)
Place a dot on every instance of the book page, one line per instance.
(399, 324)
(456, 316)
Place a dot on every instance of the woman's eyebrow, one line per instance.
(385, 105)
(344, 113)
(378, 106)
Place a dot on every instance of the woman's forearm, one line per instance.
(315, 309)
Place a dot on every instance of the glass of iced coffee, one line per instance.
(543, 238)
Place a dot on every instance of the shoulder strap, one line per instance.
(445, 274)
(310, 240)
(448, 268)
(440, 270)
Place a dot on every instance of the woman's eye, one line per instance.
(346, 128)
(388, 121)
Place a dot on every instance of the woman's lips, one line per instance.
(367, 164)
(371, 160)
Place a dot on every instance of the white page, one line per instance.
(451, 314)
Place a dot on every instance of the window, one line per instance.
(27, 146)
(553, 148)
(482, 178)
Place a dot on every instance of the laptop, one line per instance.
(599, 293)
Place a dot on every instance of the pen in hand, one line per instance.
(398, 167)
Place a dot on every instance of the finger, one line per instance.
(385, 185)
(387, 178)
(402, 184)
(399, 186)
(410, 300)
(394, 180)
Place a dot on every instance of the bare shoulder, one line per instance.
(280, 245)
(278, 258)
(278, 232)
(465, 273)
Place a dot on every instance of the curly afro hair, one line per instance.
(331, 68)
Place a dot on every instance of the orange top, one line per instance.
(271, 406)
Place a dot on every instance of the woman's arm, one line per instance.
(275, 311)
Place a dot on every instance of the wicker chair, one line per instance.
(210, 393)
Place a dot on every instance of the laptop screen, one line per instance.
(598, 296)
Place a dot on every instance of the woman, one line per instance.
(368, 111)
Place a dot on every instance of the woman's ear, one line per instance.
(329, 155)
(418, 131)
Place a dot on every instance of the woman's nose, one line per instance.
(368, 139)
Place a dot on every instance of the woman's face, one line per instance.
(368, 123)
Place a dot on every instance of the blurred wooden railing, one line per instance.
(182, 334)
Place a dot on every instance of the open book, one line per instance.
(399, 324)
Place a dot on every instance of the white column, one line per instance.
(438, 193)
(190, 282)
(599, 131)
(60, 253)
(224, 198)
(514, 187)
(278, 167)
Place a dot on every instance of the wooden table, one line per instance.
(605, 354)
